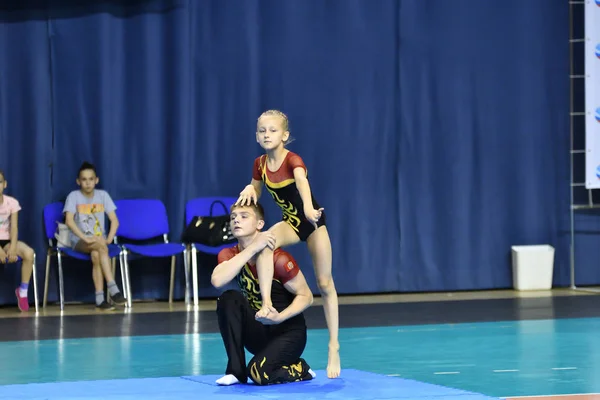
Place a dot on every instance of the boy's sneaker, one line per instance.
(118, 299)
(23, 302)
(104, 306)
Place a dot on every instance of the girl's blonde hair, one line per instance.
(285, 122)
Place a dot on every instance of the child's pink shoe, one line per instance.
(22, 301)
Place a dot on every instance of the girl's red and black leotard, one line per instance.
(282, 187)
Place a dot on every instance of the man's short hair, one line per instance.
(258, 209)
(85, 166)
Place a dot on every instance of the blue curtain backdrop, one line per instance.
(25, 131)
(484, 138)
(435, 133)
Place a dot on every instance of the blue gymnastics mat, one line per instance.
(353, 384)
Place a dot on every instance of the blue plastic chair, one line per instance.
(53, 214)
(33, 275)
(201, 207)
(142, 220)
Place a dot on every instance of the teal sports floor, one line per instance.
(496, 348)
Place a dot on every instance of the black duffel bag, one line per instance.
(209, 230)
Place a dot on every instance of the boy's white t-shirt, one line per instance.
(89, 213)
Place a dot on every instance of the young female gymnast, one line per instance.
(285, 177)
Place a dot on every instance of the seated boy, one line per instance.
(277, 340)
(84, 215)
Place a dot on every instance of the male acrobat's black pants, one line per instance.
(276, 348)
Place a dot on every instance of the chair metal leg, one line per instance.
(186, 269)
(113, 264)
(35, 291)
(195, 275)
(123, 279)
(60, 282)
(47, 277)
(129, 298)
(172, 282)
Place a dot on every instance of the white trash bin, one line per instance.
(533, 267)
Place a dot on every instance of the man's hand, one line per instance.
(264, 239)
(3, 256)
(272, 318)
(265, 310)
(12, 255)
